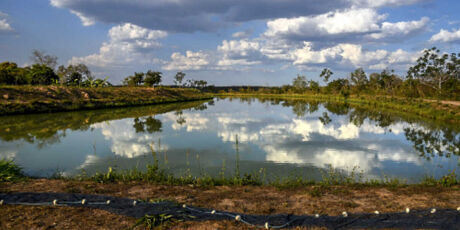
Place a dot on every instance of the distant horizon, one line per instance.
(229, 43)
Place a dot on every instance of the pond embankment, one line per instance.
(40, 99)
(434, 110)
(260, 200)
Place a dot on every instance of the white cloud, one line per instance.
(193, 121)
(86, 21)
(239, 52)
(125, 141)
(190, 61)
(398, 30)
(348, 55)
(351, 25)
(5, 26)
(127, 44)
(242, 34)
(446, 36)
(350, 21)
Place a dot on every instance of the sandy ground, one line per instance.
(331, 200)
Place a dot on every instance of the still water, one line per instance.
(284, 137)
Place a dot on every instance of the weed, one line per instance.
(160, 220)
(9, 171)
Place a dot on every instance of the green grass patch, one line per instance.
(9, 171)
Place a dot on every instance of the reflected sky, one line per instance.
(280, 136)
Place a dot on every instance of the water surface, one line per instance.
(284, 137)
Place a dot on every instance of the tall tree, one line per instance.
(300, 83)
(41, 58)
(74, 74)
(179, 78)
(326, 74)
(434, 69)
(135, 80)
(152, 78)
(359, 78)
(42, 75)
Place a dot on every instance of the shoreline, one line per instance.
(16, 100)
(413, 107)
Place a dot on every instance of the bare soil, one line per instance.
(331, 200)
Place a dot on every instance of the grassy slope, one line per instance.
(429, 109)
(36, 99)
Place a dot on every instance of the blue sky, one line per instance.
(232, 42)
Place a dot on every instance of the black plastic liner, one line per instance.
(441, 219)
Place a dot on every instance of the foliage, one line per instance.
(179, 78)
(41, 74)
(134, 80)
(158, 220)
(300, 83)
(359, 78)
(152, 78)
(434, 69)
(74, 75)
(326, 74)
(9, 171)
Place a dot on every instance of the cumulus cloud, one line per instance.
(239, 52)
(446, 36)
(354, 55)
(355, 25)
(190, 61)
(396, 31)
(125, 141)
(5, 26)
(193, 121)
(127, 43)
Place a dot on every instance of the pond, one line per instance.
(282, 137)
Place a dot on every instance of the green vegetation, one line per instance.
(35, 99)
(161, 221)
(434, 75)
(9, 171)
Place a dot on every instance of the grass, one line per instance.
(154, 174)
(9, 171)
(39, 99)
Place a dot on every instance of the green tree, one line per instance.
(152, 78)
(74, 74)
(179, 78)
(314, 86)
(326, 74)
(200, 83)
(359, 78)
(135, 80)
(11, 74)
(42, 75)
(433, 69)
(338, 85)
(300, 83)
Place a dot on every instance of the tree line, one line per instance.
(44, 72)
(433, 75)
